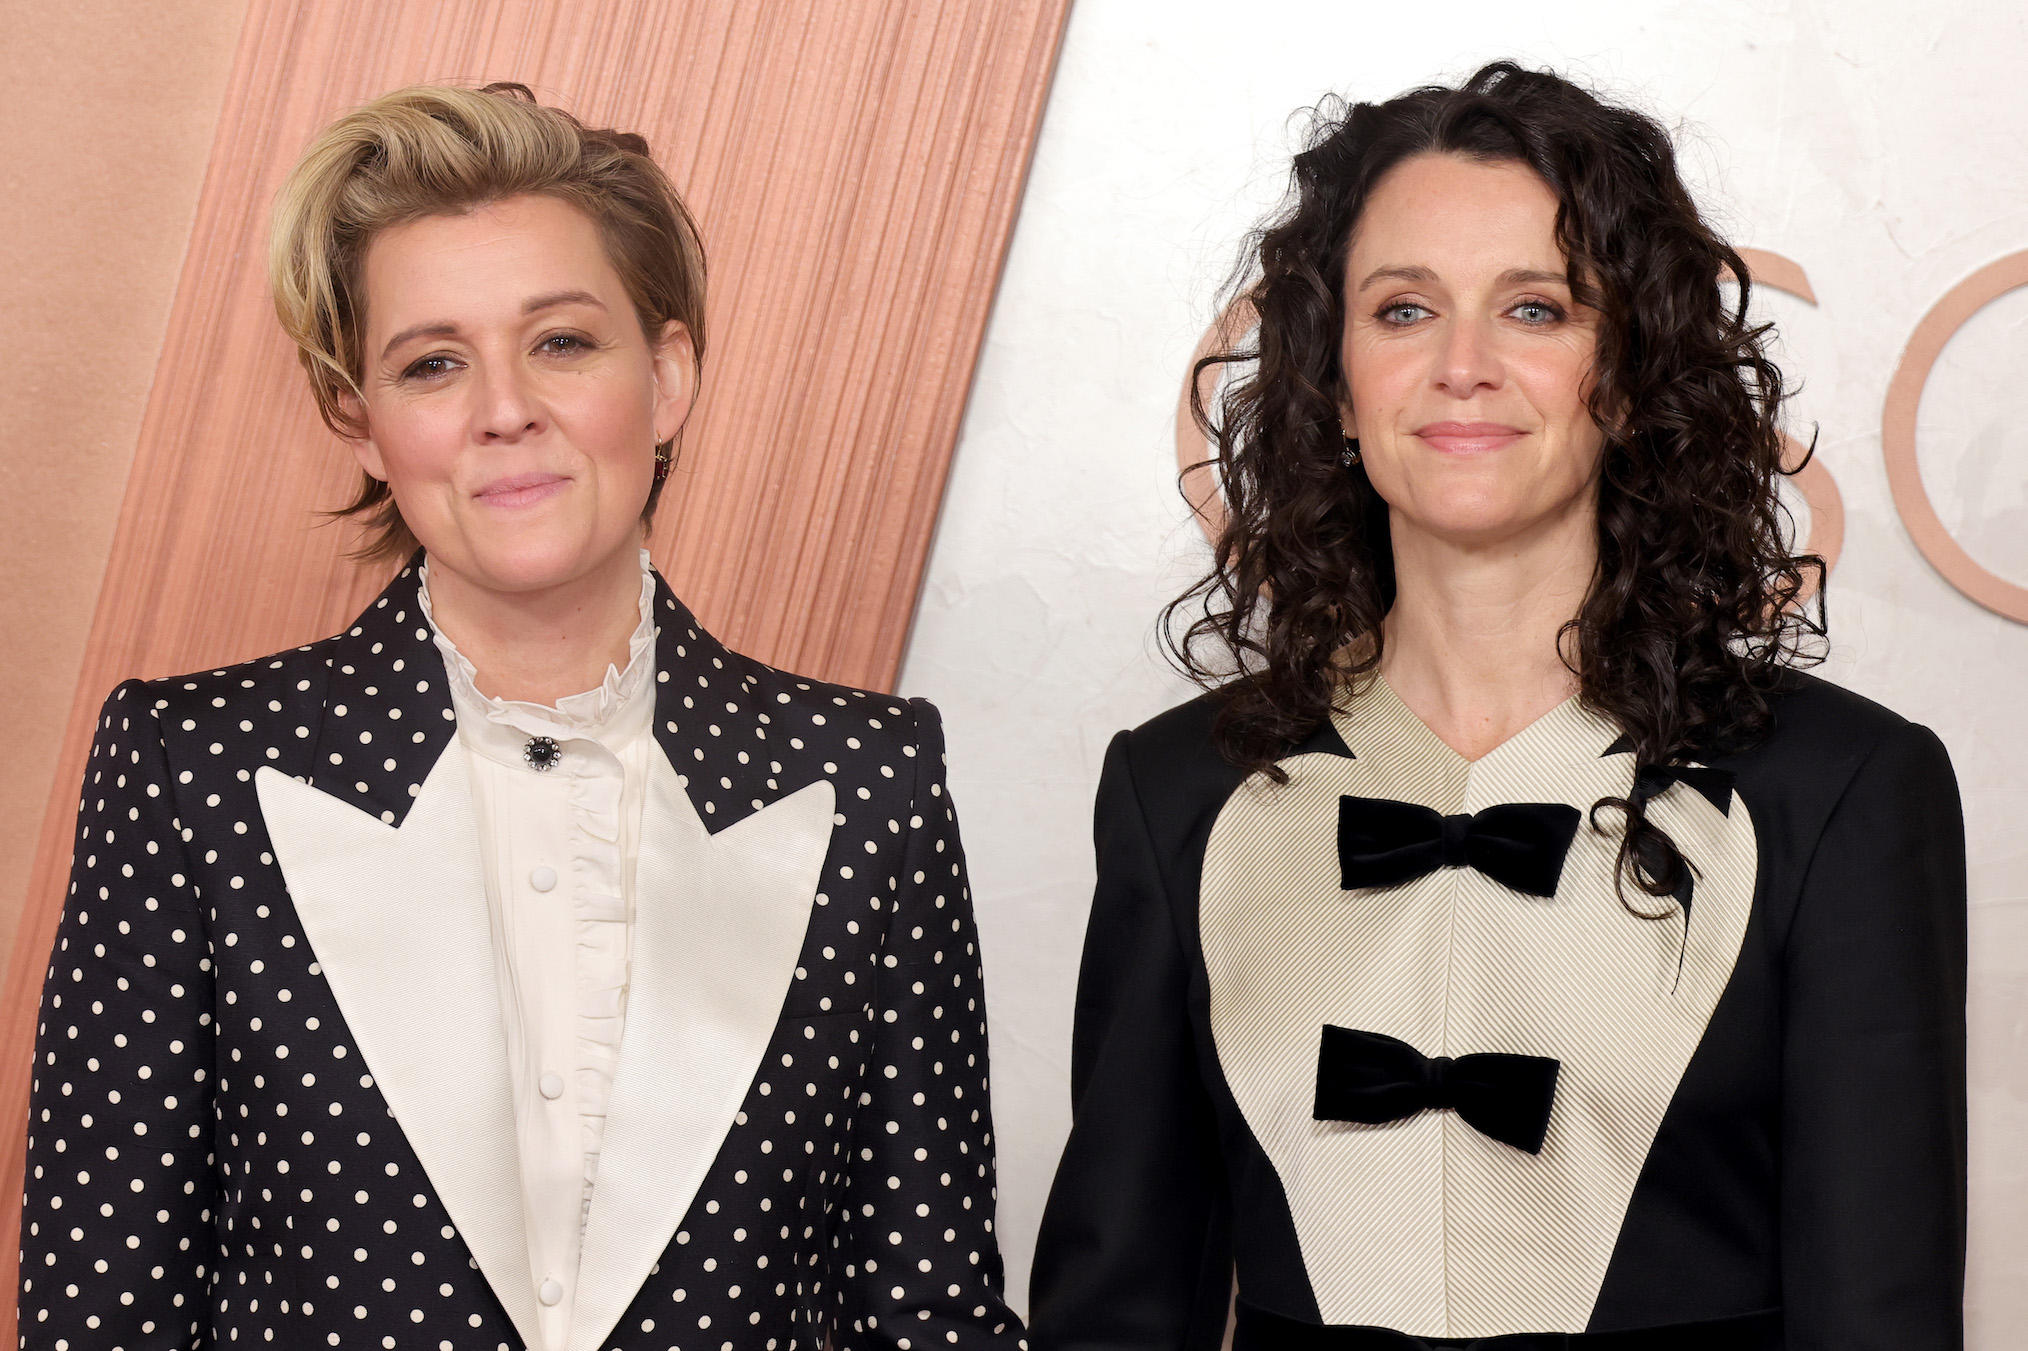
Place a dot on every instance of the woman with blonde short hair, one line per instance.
(519, 966)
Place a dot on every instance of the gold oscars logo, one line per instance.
(1813, 479)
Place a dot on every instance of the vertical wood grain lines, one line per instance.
(855, 170)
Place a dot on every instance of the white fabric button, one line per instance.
(542, 879)
(551, 1086)
(551, 1292)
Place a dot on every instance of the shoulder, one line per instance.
(386, 646)
(213, 705)
(1810, 710)
(1170, 769)
(818, 717)
(1831, 756)
(1823, 735)
(1176, 738)
(225, 692)
(882, 749)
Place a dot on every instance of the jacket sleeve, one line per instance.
(116, 1232)
(1135, 1248)
(919, 1253)
(1873, 1080)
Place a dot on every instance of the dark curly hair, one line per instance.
(1697, 606)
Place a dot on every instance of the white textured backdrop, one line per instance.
(1882, 146)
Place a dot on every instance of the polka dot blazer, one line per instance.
(270, 1100)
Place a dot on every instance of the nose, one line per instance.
(505, 408)
(1467, 362)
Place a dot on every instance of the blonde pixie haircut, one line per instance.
(439, 150)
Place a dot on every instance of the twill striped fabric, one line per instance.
(1424, 1224)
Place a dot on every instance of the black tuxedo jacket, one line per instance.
(271, 1101)
(1807, 1173)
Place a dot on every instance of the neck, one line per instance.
(543, 645)
(1473, 641)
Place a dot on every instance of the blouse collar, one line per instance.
(1376, 721)
(620, 708)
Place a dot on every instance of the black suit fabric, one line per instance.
(210, 1163)
(1811, 1160)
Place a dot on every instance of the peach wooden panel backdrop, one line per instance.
(855, 168)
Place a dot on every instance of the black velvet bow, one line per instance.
(1650, 780)
(1714, 784)
(1375, 1079)
(1382, 842)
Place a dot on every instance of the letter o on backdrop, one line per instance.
(1897, 437)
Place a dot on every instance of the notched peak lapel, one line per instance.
(380, 853)
(720, 921)
(742, 735)
(1714, 785)
(397, 918)
(712, 718)
(1326, 740)
(387, 712)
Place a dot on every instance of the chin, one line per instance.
(532, 561)
(1475, 516)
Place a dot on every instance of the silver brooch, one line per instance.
(541, 753)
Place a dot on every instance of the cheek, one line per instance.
(1386, 381)
(610, 422)
(1556, 379)
(1379, 377)
(1556, 384)
(418, 443)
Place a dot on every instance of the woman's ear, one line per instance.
(364, 448)
(675, 377)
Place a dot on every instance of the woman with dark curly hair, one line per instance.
(1512, 948)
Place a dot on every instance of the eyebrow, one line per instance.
(443, 328)
(1519, 276)
(537, 304)
(1397, 273)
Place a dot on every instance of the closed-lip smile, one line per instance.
(1469, 438)
(521, 490)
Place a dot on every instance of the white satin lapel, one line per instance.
(399, 923)
(719, 921)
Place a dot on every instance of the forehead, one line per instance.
(490, 257)
(1457, 215)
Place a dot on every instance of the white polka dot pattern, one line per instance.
(210, 1162)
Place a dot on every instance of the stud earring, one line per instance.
(1350, 455)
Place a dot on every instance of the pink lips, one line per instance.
(521, 490)
(1469, 438)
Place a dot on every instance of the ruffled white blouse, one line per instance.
(559, 833)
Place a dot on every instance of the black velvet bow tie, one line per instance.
(1382, 843)
(1374, 1079)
